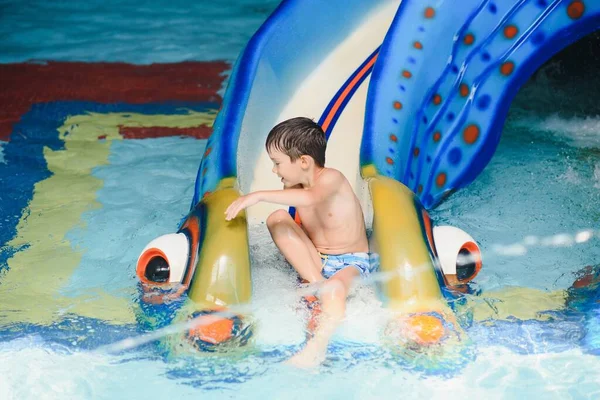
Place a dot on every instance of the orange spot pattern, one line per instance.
(471, 134)
(440, 180)
(207, 152)
(576, 9)
(425, 329)
(507, 68)
(437, 99)
(212, 329)
(469, 39)
(510, 31)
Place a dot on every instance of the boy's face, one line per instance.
(290, 172)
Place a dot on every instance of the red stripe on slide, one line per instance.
(347, 90)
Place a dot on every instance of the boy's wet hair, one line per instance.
(297, 137)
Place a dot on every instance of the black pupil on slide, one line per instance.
(157, 270)
(465, 266)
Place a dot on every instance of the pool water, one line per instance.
(124, 30)
(105, 199)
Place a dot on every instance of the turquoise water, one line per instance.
(543, 181)
(125, 30)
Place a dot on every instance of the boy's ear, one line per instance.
(305, 161)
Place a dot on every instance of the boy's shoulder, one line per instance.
(332, 179)
(331, 175)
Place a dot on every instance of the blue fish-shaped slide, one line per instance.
(412, 96)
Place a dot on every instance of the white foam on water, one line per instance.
(581, 132)
(496, 374)
(280, 314)
(33, 369)
(2, 144)
(597, 175)
(570, 175)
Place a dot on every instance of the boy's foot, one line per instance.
(308, 358)
(314, 308)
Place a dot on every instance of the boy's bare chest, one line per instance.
(327, 216)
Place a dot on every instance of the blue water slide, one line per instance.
(445, 77)
(296, 37)
(440, 83)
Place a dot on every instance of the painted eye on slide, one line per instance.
(459, 254)
(164, 260)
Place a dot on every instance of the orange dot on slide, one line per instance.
(470, 134)
(212, 329)
(425, 329)
(507, 68)
(440, 180)
(576, 9)
(429, 12)
(510, 31)
(437, 99)
(464, 90)
(397, 105)
(418, 45)
(406, 74)
(469, 39)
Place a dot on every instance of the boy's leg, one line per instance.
(295, 245)
(333, 296)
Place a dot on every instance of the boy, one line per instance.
(330, 247)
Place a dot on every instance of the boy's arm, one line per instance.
(327, 185)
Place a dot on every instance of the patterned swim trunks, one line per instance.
(364, 262)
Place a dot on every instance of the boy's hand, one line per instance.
(241, 204)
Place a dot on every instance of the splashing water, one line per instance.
(534, 211)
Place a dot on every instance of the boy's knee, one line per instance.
(277, 217)
(333, 289)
